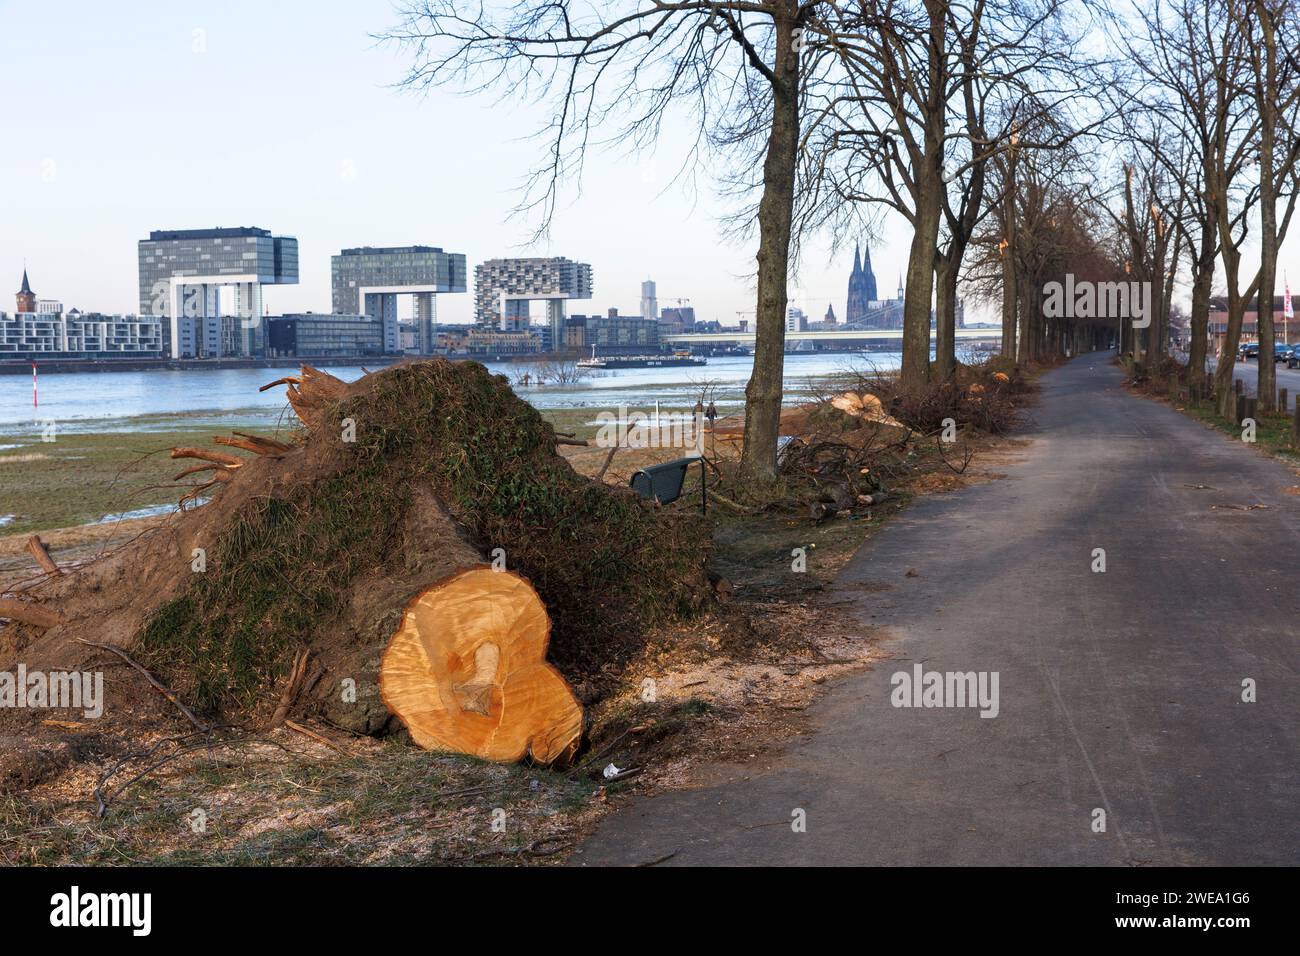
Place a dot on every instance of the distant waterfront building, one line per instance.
(25, 297)
(676, 320)
(367, 280)
(451, 339)
(865, 310)
(829, 320)
(40, 329)
(796, 320)
(649, 301)
(862, 290)
(612, 334)
(487, 343)
(308, 334)
(503, 289)
(182, 273)
(79, 335)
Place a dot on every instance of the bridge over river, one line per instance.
(839, 335)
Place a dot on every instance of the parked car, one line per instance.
(1248, 351)
(1282, 353)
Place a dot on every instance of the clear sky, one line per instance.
(122, 118)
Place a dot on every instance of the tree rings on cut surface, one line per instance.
(466, 671)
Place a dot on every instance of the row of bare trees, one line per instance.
(941, 104)
(979, 122)
(1213, 136)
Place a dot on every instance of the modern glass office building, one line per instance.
(368, 279)
(183, 270)
(405, 267)
(612, 334)
(307, 335)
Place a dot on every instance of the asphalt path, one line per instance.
(1120, 692)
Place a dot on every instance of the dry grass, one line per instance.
(288, 801)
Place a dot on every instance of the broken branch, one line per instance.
(253, 443)
(600, 475)
(291, 689)
(202, 454)
(34, 614)
(223, 469)
(42, 555)
(306, 732)
(153, 681)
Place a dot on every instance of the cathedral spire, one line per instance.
(857, 259)
(869, 278)
(26, 299)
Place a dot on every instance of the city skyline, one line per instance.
(622, 296)
(114, 160)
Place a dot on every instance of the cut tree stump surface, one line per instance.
(467, 672)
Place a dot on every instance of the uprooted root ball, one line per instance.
(414, 472)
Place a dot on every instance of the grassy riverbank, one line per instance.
(86, 477)
(82, 478)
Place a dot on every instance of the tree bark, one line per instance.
(1027, 348)
(1227, 360)
(775, 213)
(920, 284)
(1202, 285)
(1010, 289)
(925, 237)
(945, 312)
(1266, 383)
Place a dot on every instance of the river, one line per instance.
(152, 400)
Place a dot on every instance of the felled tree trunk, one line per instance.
(467, 672)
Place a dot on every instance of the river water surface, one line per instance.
(145, 401)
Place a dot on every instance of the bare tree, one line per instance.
(1005, 168)
(1178, 93)
(552, 369)
(1224, 68)
(741, 70)
(911, 130)
(1270, 31)
(1045, 223)
(961, 218)
(1151, 206)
